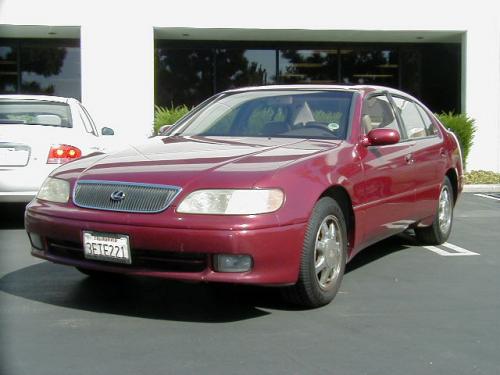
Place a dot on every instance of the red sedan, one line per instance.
(271, 186)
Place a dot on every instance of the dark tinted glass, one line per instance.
(240, 68)
(50, 70)
(308, 66)
(432, 73)
(379, 67)
(284, 113)
(8, 69)
(183, 76)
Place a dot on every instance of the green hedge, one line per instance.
(482, 177)
(168, 116)
(463, 127)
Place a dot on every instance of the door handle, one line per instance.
(409, 158)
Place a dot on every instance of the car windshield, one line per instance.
(34, 112)
(273, 113)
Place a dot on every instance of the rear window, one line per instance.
(33, 112)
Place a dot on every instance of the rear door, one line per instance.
(427, 153)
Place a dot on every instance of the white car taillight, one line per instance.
(59, 154)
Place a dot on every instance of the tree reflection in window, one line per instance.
(370, 67)
(308, 66)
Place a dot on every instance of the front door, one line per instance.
(388, 194)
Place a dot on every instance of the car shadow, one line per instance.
(12, 215)
(382, 249)
(142, 297)
(152, 298)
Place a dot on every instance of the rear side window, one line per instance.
(430, 127)
(412, 120)
(35, 112)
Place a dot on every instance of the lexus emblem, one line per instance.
(117, 196)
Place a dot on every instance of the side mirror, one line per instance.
(163, 128)
(107, 131)
(381, 137)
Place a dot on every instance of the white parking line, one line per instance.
(457, 250)
(487, 196)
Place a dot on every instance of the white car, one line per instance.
(37, 134)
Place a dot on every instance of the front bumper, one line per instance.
(158, 252)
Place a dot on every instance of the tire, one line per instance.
(439, 231)
(325, 249)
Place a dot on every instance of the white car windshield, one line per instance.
(35, 112)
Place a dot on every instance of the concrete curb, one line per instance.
(486, 188)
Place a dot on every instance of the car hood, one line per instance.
(181, 161)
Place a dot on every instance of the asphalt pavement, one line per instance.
(402, 309)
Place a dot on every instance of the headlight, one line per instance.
(232, 202)
(54, 190)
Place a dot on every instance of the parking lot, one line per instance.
(402, 309)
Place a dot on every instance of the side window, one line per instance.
(412, 120)
(429, 124)
(378, 113)
(87, 120)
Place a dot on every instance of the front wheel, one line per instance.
(323, 258)
(439, 231)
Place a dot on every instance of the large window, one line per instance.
(8, 69)
(370, 66)
(188, 76)
(308, 66)
(190, 72)
(40, 67)
(239, 67)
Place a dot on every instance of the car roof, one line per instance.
(363, 88)
(49, 98)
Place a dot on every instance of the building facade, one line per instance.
(123, 58)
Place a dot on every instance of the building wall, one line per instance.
(117, 45)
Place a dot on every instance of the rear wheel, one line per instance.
(439, 231)
(323, 258)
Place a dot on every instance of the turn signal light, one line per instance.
(60, 154)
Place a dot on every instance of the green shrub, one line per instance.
(463, 127)
(482, 177)
(168, 116)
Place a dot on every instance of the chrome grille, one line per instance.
(134, 197)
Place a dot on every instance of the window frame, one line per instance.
(417, 104)
(401, 129)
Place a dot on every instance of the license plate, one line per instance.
(109, 247)
(11, 157)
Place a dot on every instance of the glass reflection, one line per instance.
(8, 69)
(50, 70)
(308, 66)
(379, 67)
(183, 76)
(239, 68)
